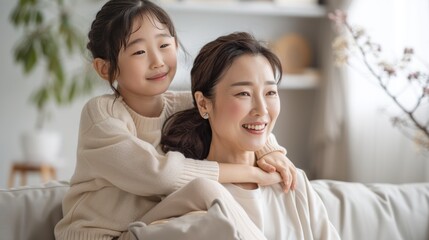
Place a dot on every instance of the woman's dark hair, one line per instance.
(186, 131)
(112, 27)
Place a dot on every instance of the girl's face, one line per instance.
(148, 64)
(246, 105)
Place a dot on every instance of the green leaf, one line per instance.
(73, 89)
(38, 18)
(88, 83)
(30, 59)
(26, 17)
(57, 90)
(56, 68)
(41, 97)
(15, 16)
(21, 51)
(48, 42)
(45, 46)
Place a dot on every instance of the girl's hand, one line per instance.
(278, 162)
(264, 178)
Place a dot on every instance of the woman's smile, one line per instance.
(255, 128)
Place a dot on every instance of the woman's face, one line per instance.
(246, 104)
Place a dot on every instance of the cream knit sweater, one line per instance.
(121, 171)
(298, 214)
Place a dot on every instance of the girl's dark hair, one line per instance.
(112, 27)
(186, 131)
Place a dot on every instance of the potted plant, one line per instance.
(49, 39)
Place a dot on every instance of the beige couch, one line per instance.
(359, 211)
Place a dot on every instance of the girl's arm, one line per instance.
(272, 157)
(271, 146)
(110, 153)
(241, 173)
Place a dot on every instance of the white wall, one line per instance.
(18, 115)
(292, 129)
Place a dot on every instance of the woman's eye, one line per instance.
(271, 93)
(165, 45)
(243, 94)
(139, 52)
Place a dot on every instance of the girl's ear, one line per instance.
(203, 104)
(101, 66)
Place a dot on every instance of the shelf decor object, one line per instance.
(304, 76)
(294, 52)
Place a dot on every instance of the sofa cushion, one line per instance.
(358, 211)
(376, 211)
(31, 212)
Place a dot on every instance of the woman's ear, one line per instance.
(101, 66)
(203, 104)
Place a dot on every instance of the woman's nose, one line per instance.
(259, 106)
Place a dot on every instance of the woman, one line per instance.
(234, 85)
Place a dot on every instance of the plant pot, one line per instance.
(41, 146)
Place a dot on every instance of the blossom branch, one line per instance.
(368, 50)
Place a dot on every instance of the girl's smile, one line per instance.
(147, 65)
(158, 77)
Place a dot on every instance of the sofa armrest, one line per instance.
(376, 211)
(31, 212)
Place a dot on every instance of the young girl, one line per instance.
(121, 171)
(234, 84)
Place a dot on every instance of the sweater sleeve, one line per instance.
(108, 150)
(270, 146)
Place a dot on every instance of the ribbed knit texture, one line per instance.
(121, 172)
(271, 146)
(299, 214)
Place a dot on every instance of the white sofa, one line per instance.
(358, 211)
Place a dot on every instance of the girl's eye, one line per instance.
(271, 93)
(139, 52)
(165, 45)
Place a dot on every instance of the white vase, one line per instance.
(41, 146)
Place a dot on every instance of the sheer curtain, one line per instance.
(353, 138)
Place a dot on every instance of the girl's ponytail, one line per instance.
(187, 133)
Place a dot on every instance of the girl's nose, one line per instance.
(156, 60)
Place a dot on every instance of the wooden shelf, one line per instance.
(309, 79)
(243, 7)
